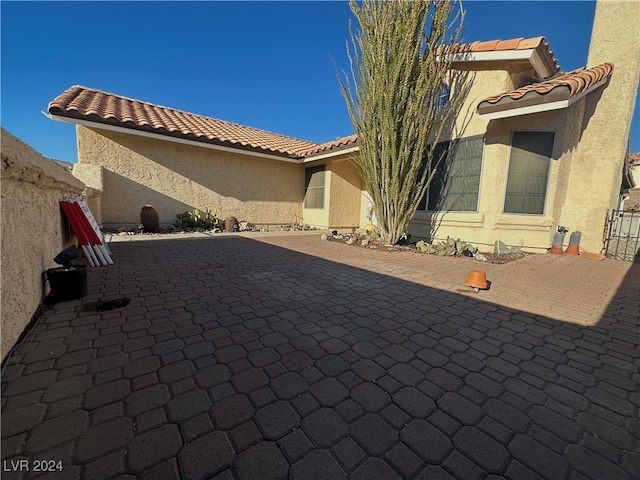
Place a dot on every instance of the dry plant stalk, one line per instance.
(399, 61)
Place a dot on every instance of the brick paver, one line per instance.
(264, 357)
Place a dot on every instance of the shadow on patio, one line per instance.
(238, 358)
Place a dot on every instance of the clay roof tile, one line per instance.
(538, 43)
(575, 81)
(533, 42)
(103, 107)
(509, 44)
(333, 144)
(488, 46)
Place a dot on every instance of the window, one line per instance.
(455, 187)
(528, 174)
(314, 187)
(443, 96)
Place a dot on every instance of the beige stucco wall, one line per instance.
(92, 177)
(176, 177)
(594, 183)
(488, 223)
(33, 231)
(590, 144)
(486, 79)
(346, 194)
(343, 195)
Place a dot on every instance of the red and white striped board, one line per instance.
(92, 221)
(86, 230)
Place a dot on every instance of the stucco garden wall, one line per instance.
(33, 231)
(175, 177)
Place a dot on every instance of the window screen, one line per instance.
(528, 174)
(456, 184)
(314, 187)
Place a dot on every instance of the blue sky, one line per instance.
(265, 64)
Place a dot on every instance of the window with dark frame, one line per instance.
(314, 181)
(455, 186)
(528, 174)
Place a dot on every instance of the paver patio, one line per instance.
(261, 356)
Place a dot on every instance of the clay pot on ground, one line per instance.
(231, 224)
(477, 280)
(150, 219)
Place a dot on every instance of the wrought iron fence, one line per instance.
(623, 235)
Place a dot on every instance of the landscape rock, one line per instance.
(501, 248)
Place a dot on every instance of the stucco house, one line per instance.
(536, 148)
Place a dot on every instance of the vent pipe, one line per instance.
(574, 244)
(558, 240)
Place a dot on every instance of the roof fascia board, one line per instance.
(515, 112)
(530, 54)
(531, 99)
(538, 64)
(541, 107)
(330, 154)
(155, 136)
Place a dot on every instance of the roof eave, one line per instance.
(532, 55)
(204, 142)
(332, 153)
(542, 103)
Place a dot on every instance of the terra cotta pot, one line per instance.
(477, 279)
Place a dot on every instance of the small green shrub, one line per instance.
(197, 219)
(372, 235)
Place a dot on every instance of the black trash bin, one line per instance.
(67, 284)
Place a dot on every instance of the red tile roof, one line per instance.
(635, 158)
(536, 43)
(93, 105)
(561, 87)
(519, 43)
(342, 143)
(96, 106)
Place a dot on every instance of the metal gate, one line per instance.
(623, 235)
